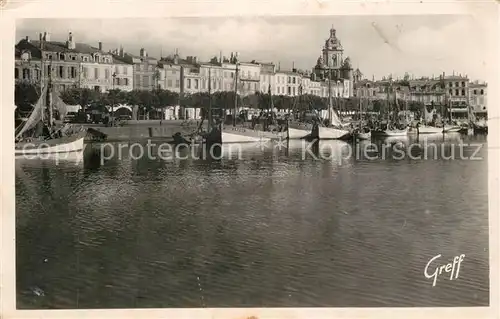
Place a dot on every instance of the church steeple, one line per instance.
(332, 33)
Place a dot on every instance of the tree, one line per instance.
(26, 95)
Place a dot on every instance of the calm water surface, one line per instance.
(270, 229)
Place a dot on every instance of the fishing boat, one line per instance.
(427, 129)
(224, 134)
(298, 130)
(302, 128)
(39, 136)
(334, 130)
(391, 129)
(363, 132)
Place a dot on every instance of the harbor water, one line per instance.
(267, 227)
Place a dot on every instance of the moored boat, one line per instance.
(298, 130)
(426, 129)
(67, 144)
(330, 133)
(36, 136)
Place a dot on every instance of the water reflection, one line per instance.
(304, 225)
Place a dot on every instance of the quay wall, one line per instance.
(137, 130)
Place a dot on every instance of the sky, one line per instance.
(422, 45)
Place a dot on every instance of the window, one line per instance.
(450, 84)
(16, 73)
(463, 92)
(188, 85)
(475, 92)
(126, 81)
(26, 73)
(61, 56)
(125, 70)
(232, 75)
(106, 73)
(289, 90)
(451, 92)
(463, 84)
(73, 72)
(482, 92)
(97, 88)
(177, 83)
(73, 58)
(96, 73)
(456, 84)
(456, 92)
(196, 84)
(85, 73)
(294, 80)
(61, 71)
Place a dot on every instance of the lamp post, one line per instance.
(113, 100)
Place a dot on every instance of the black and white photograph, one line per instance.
(251, 161)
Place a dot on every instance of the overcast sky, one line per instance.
(378, 45)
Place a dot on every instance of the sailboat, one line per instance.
(391, 130)
(364, 132)
(298, 129)
(38, 136)
(335, 130)
(241, 134)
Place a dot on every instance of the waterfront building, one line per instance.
(293, 83)
(169, 73)
(214, 73)
(96, 69)
(478, 98)
(311, 87)
(366, 89)
(267, 77)
(146, 76)
(123, 73)
(27, 66)
(281, 82)
(429, 92)
(248, 78)
(59, 62)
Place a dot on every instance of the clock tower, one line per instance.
(331, 60)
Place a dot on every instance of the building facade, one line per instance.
(248, 78)
(478, 98)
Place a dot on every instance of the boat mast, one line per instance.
(235, 94)
(209, 99)
(51, 113)
(329, 96)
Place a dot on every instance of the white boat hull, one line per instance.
(330, 133)
(452, 129)
(296, 134)
(41, 148)
(390, 133)
(429, 130)
(246, 135)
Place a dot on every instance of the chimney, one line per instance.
(100, 46)
(121, 51)
(27, 39)
(143, 52)
(195, 60)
